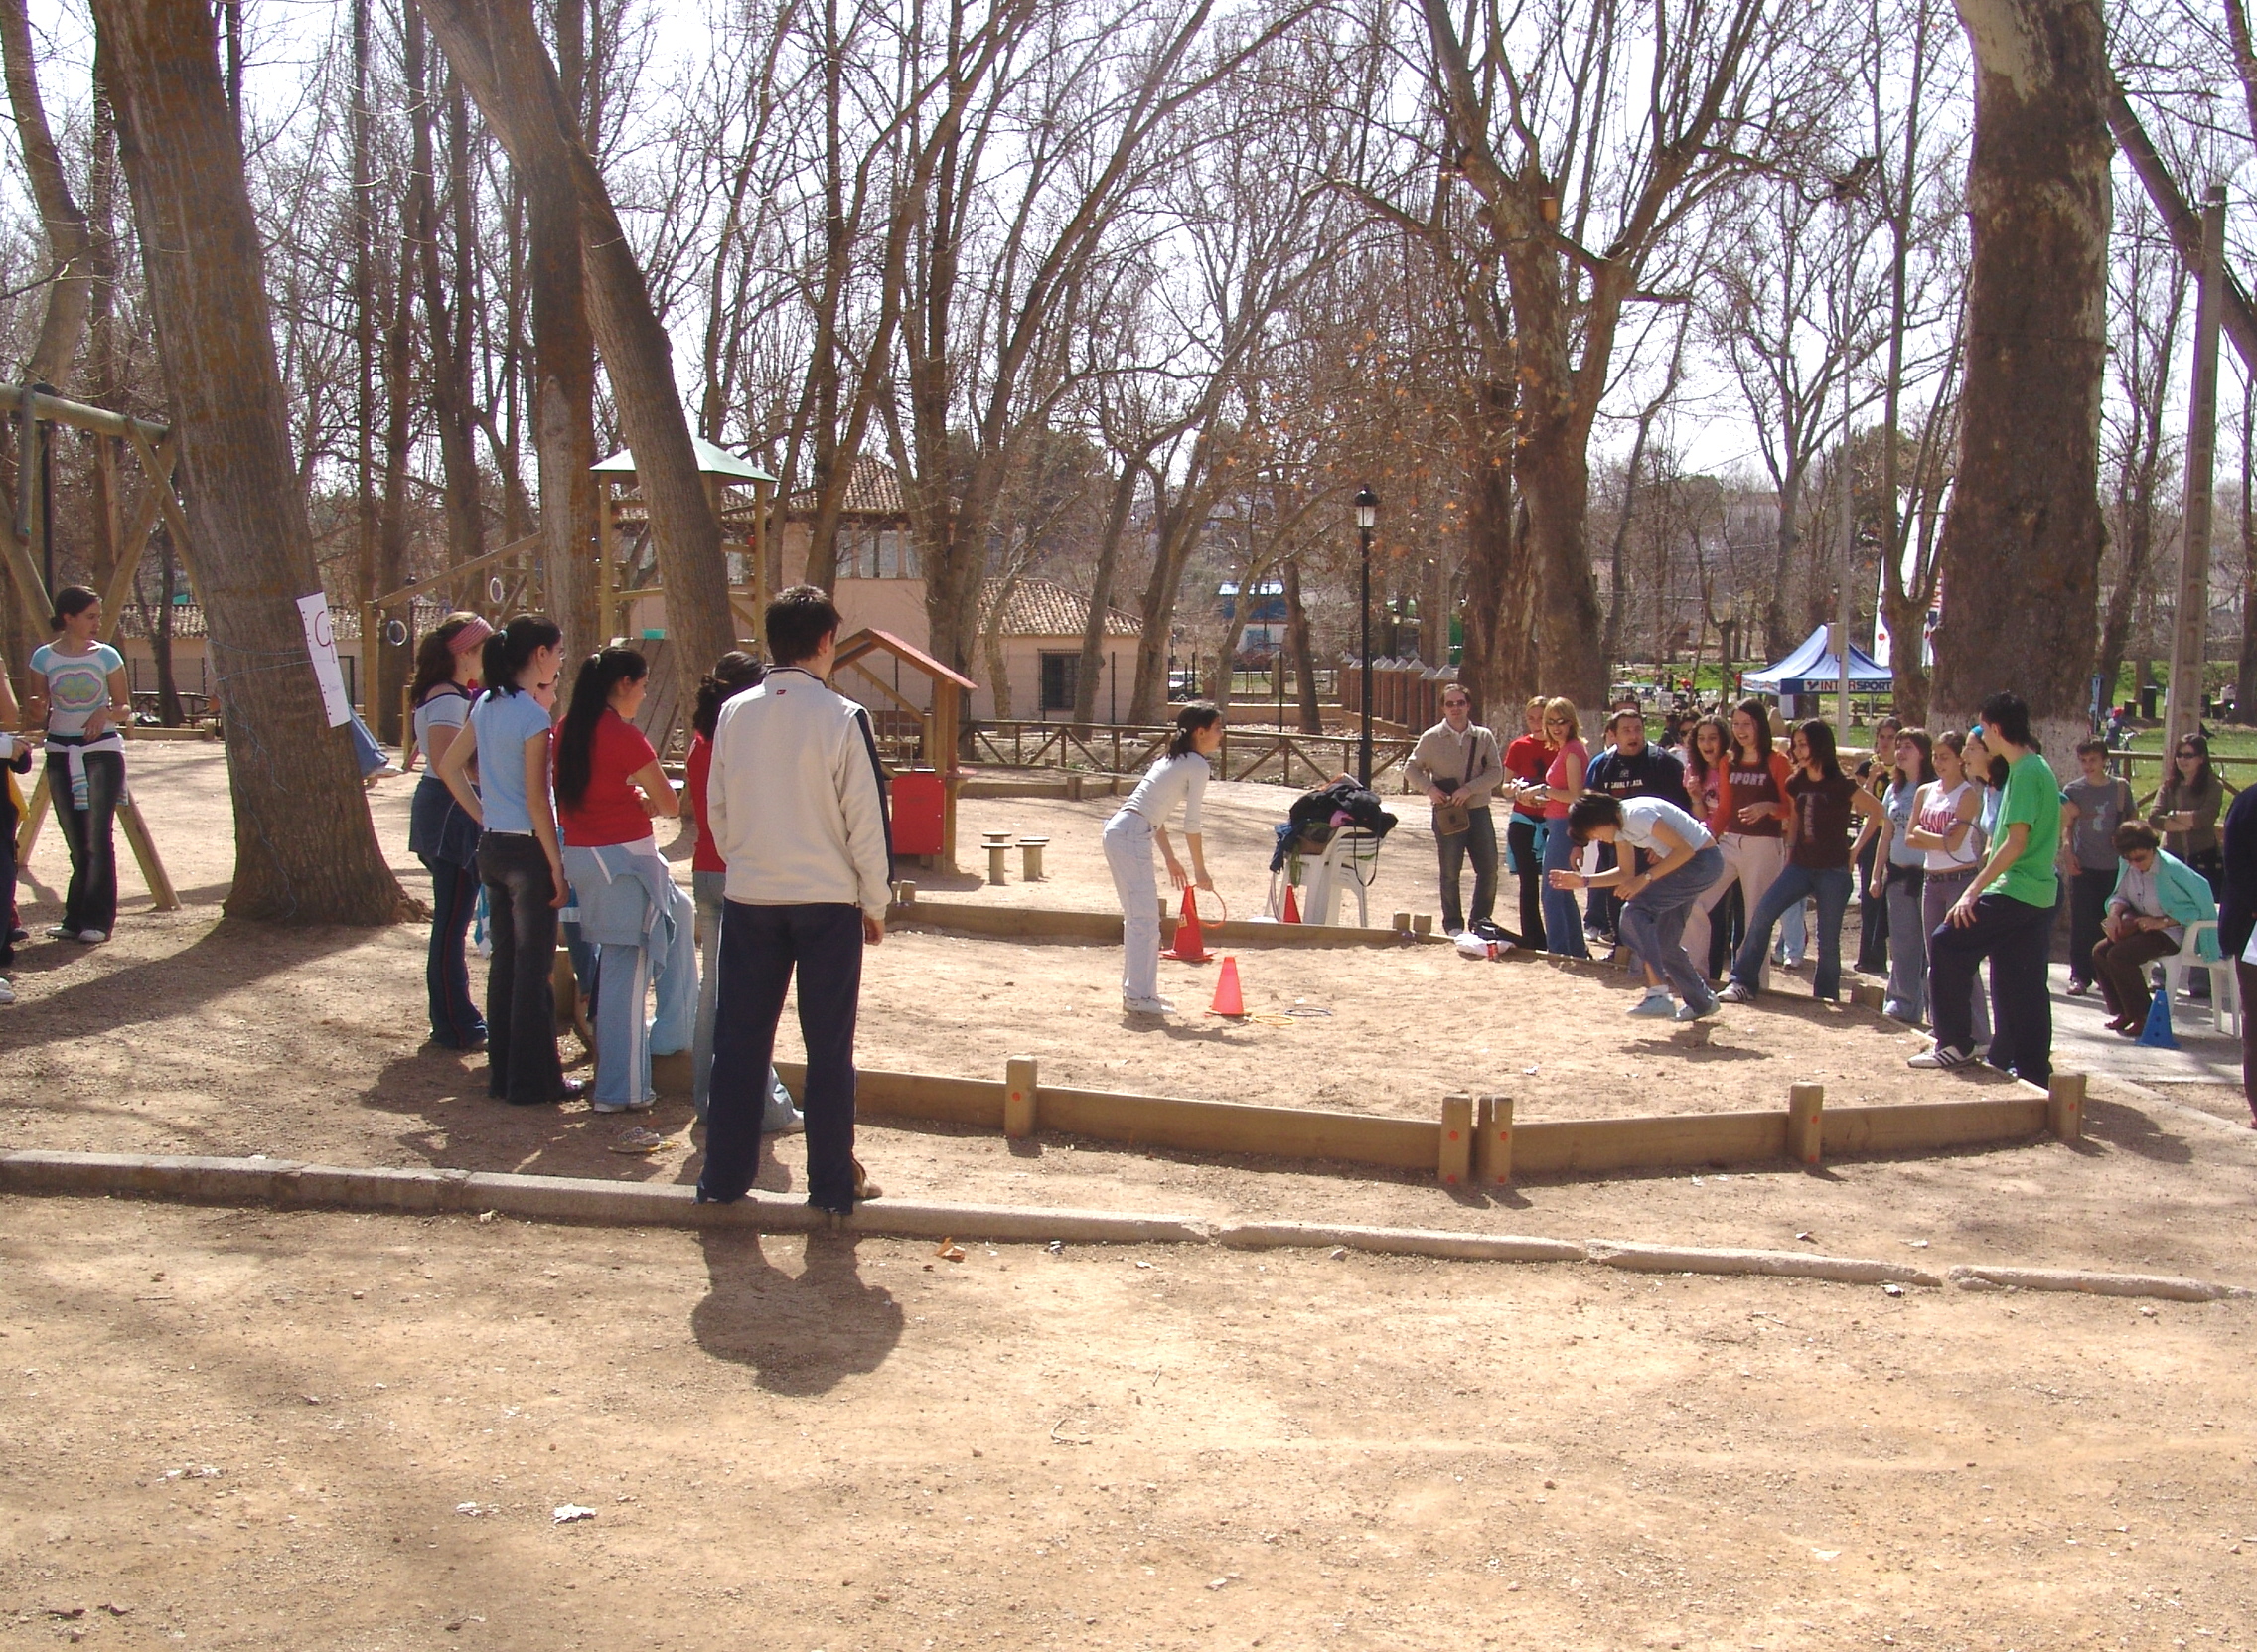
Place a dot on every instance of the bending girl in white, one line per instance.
(1129, 838)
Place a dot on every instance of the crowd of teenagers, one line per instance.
(550, 818)
(1697, 864)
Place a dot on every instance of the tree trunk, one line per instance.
(169, 710)
(69, 243)
(2245, 674)
(1302, 647)
(2022, 538)
(450, 384)
(498, 54)
(1498, 668)
(1101, 593)
(305, 847)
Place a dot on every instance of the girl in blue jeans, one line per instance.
(1821, 806)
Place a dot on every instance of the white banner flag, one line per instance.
(321, 643)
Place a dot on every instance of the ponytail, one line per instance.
(600, 672)
(506, 653)
(1199, 714)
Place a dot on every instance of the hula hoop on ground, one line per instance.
(1199, 898)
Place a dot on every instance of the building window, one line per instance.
(1061, 676)
(877, 553)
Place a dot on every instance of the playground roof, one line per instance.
(871, 640)
(1813, 669)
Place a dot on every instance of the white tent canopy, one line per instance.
(1813, 669)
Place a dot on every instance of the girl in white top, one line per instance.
(1944, 815)
(1181, 776)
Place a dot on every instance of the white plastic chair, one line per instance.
(1351, 862)
(2225, 1007)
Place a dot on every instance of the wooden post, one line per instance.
(1493, 1142)
(763, 498)
(1402, 922)
(1018, 1096)
(1456, 1165)
(2064, 1105)
(1422, 923)
(1805, 1103)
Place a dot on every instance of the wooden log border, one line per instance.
(1465, 1143)
(1031, 923)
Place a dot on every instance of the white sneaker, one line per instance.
(1656, 1006)
(1694, 1013)
(1147, 1006)
(91, 937)
(1735, 992)
(642, 1106)
(7, 993)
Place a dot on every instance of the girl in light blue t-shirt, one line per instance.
(83, 696)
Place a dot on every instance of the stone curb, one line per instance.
(2168, 1287)
(289, 1183)
(1790, 1265)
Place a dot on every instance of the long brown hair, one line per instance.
(1760, 715)
(1695, 764)
(435, 656)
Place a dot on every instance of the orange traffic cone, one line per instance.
(1292, 907)
(1228, 999)
(1190, 948)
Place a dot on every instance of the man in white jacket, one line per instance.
(796, 803)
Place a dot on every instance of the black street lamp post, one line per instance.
(1366, 513)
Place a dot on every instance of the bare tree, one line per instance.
(1545, 124)
(305, 847)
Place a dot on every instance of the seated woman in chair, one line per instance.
(2156, 896)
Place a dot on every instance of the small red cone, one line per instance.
(1292, 907)
(1189, 946)
(1228, 999)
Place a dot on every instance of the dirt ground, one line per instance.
(220, 1427)
(262, 1430)
(187, 1034)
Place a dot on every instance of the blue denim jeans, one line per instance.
(1833, 886)
(762, 949)
(455, 1021)
(1479, 839)
(91, 899)
(1653, 924)
(521, 1006)
(1562, 918)
(709, 888)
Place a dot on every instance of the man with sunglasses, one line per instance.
(1457, 764)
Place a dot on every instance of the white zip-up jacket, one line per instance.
(796, 799)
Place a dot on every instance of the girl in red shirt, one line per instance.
(608, 786)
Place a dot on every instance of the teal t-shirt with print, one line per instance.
(2033, 797)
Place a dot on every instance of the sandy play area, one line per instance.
(220, 1428)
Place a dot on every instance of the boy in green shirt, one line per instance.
(2005, 915)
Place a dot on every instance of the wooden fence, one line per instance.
(1474, 1141)
(1285, 759)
